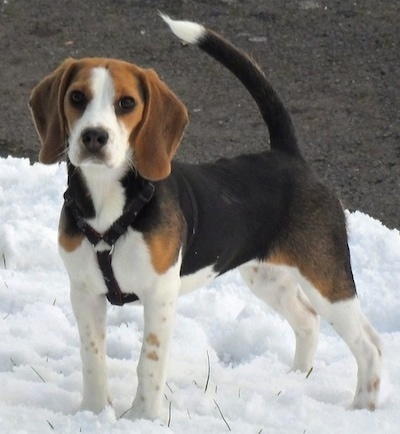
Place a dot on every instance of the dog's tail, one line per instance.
(280, 126)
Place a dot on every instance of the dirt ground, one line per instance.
(335, 63)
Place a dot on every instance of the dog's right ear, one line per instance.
(46, 103)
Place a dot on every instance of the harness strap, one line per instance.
(104, 257)
(114, 295)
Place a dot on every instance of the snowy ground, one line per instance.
(249, 347)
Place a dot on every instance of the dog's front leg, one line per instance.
(90, 311)
(159, 317)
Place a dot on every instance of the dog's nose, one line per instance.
(94, 139)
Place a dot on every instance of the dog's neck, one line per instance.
(101, 193)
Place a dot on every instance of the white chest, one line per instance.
(132, 266)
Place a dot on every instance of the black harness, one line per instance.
(104, 257)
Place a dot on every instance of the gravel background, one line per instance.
(336, 64)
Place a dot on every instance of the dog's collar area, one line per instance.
(104, 257)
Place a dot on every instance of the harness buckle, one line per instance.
(147, 193)
(104, 246)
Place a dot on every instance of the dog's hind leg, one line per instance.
(350, 323)
(327, 281)
(276, 287)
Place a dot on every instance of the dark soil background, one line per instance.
(335, 63)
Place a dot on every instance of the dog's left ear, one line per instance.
(46, 105)
(161, 129)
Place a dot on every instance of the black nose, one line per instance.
(94, 139)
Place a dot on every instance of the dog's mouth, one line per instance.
(95, 160)
(84, 158)
(100, 159)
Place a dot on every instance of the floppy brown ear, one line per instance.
(47, 111)
(161, 129)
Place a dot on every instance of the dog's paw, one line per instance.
(367, 398)
(140, 410)
(94, 405)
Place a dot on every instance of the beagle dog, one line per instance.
(137, 226)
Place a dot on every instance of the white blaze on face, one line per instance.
(100, 113)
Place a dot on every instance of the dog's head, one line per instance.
(108, 112)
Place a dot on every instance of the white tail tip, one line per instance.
(186, 30)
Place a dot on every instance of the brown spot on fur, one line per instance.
(374, 385)
(67, 239)
(163, 251)
(152, 339)
(165, 241)
(324, 272)
(152, 356)
(93, 346)
(126, 82)
(69, 243)
(313, 238)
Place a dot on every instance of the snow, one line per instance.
(222, 332)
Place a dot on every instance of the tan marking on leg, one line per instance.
(374, 385)
(152, 339)
(152, 356)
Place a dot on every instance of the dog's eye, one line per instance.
(77, 98)
(126, 104)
